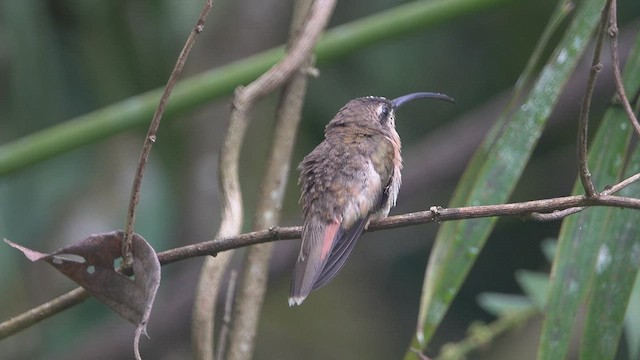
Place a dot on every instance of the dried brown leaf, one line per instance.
(91, 263)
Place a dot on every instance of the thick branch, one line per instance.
(212, 271)
(253, 286)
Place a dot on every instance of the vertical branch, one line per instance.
(256, 266)
(226, 319)
(583, 122)
(150, 139)
(213, 269)
(617, 74)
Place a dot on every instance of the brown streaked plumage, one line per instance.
(351, 178)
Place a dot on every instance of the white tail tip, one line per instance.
(296, 300)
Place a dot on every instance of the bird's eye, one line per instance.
(385, 110)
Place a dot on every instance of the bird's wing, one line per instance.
(345, 241)
(343, 244)
(318, 240)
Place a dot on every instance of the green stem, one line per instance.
(481, 335)
(216, 83)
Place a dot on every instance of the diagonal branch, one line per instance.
(150, 139)
(622, 95)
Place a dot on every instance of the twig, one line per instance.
(226, 319)
(555, 215)
(150, 139)
(209, 283)
(559, 214)
(622, 95)
(583, 122)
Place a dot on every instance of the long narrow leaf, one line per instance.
(632, 325)
(585, 246)
(616, 266)
(492, 175)
(618, 255)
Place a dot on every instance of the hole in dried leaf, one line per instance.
(68, 257)
(91, 269)
(117, 263)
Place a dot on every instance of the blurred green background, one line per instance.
(63, 58)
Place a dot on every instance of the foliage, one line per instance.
(99, 63)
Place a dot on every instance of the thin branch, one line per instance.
(560, 214)
(127, 257)
(435, 214)
(583, 122)
(39, 313)
(245, 97)
(226, 319)
(555, 215)
(617, 74)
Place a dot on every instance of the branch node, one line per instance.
(612, 30)
(236, 103)
(597, 68)
(435, 210)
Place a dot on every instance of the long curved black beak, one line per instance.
(397, 102)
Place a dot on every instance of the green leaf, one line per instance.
(549, 247)
(586, 247)
(492, 175)
(500, 304)
(535, 285)
(632, 325)
(618, 256)
(616, 267)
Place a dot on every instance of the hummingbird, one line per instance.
(349, 179)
